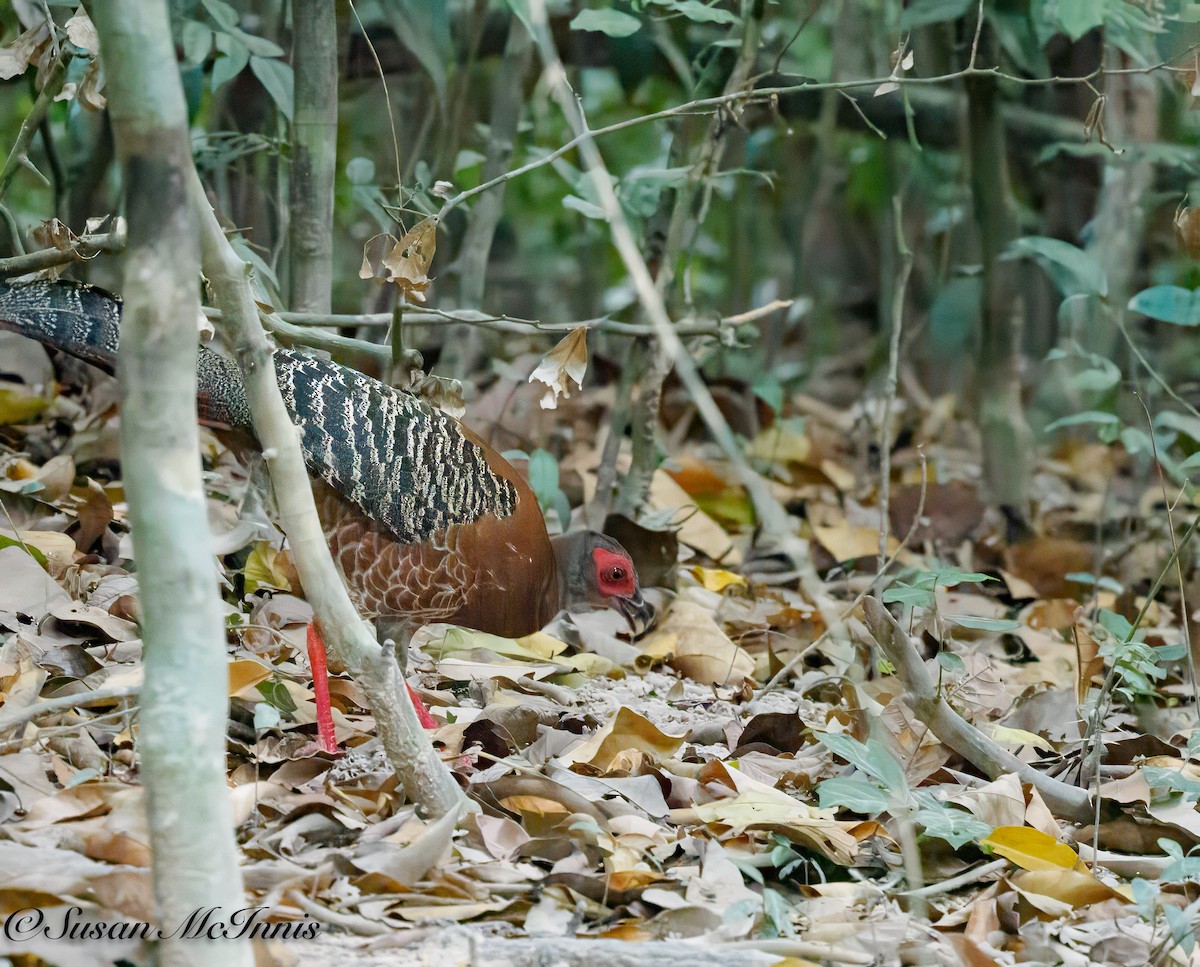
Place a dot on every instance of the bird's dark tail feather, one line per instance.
(79, 319)
(86, 322)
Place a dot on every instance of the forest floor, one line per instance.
(647, 790)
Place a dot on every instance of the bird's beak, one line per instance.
(637, 611)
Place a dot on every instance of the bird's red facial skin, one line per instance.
(614, 573)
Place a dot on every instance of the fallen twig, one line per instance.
(987, 756)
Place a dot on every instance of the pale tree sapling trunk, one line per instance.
(425, 777)
(181, 736)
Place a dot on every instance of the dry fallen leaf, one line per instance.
(1075, 888)
(695, 645)
(759, 806)
(627, 730)
(696, 528)
(244, 675)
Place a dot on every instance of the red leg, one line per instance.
(316, 659)
(320, 672)
(427, 720)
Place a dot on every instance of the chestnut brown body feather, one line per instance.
(495, 574)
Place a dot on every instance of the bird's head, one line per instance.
(594, 572)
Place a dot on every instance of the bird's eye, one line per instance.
(616, 574)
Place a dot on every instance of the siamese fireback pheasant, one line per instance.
(426, 520)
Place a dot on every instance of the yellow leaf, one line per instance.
(780, 445)
(17, 406)
(55, 545)
(714, 579)
(844, 542)
(587, 665)
(535, 647)
(759, 806)
(632, 879)
(1018, 737)
(1030, 849)
(1078, 888)
(264, 570)
(696, 528)
(245, 674)
(542, 645)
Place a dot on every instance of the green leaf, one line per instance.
(956, 826)
(277, 696)
(585, 208)
(1097, 378)
(28, 549)
(1077, 17)
(701, 12)
(949, 577)
(983, 624)
(1070, 268)
(276, 77)
(610, 22)
(225, 15)
(768, 389)
(951, 662)
(360, 171)
(259, 46)
(520, 9)
(197, 41)
(870, 757)
(922, 12)
(424, 28)
(543, 473)
(1136, 440)
(748, 872)
(777, 912)
(1117, 624)
(954, 315)
(466, 158)
(1183, 423)
(1168, 303)
(266, 716)
(853, 792)
(1079, 419)
(901, 593)
(233, 59)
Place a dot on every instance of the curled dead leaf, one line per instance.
(1187, 229)
(565, 362)
(404, 262)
